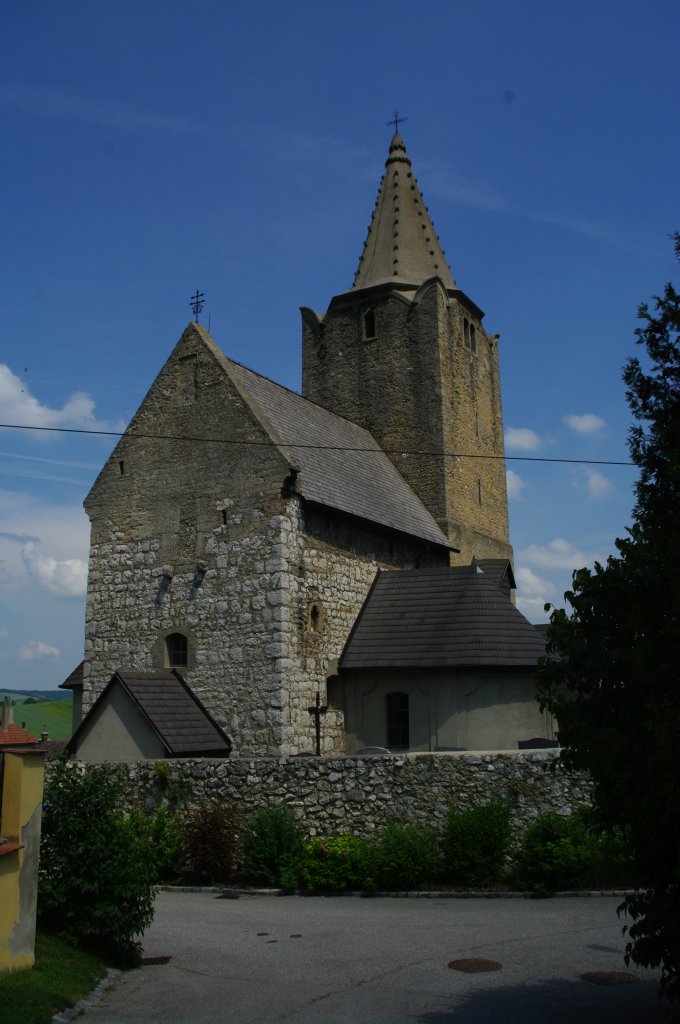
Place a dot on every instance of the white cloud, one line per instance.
(522, 439)
(557, 554)
(21, 407)
(533, 608)
(597, 483)
(43, 544)
(530, 584)
(65, 578)
(588, 423)
(515, 484)
(36, 649)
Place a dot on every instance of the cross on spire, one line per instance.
(197, 302)
(396, 121)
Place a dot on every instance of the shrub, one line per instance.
(476, 843)
(566, 853)
(164, 834)
(332, 865)
(211, 842)
(95, 882)
(271, 838)
(406, 856)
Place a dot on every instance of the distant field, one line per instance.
(51, 716)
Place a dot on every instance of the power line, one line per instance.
(315, 447)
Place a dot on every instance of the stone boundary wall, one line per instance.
(360, 794)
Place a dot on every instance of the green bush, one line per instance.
(406, 856)
(476, 842)
(211, 842)
(95, 882)
(164, 834)
(561, 852)
(270, 838)
(332, 865)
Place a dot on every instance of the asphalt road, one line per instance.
(304, 960)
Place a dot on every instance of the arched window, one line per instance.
(368, 322)
(396, 719)
(177, 649)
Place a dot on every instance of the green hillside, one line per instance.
(51, 716)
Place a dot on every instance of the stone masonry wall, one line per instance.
(198, 538)
(419, 386)
(330, 563)
(331, 795)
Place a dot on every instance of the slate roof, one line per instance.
(350, 472)
(497, 569)
(172, 710)
(431, 618)
(74, 681)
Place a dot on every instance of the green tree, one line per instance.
(612, 674)
(96, 870)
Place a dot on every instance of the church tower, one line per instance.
(404, 353)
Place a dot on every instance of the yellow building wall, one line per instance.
(20, 816)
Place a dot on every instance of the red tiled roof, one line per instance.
(15, 736)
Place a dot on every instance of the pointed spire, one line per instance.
(402, 246)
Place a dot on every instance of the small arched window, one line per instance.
(473, 338)
(368, 325)
(396, 720)
(177, 649)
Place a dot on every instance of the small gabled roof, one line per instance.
(402, 246)
(74, 681)
(497, 569)
(339, 464)
(432, 618)
(172, 710)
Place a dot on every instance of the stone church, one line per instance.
(346, 542)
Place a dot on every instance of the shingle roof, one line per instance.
(439, 617)
(172, 710)
(340, 464)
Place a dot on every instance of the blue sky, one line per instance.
(150, 149)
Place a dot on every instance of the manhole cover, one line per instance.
(155, 961)
(610, 977)
(474, 965)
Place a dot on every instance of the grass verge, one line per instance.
(62, 975)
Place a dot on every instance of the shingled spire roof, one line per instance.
(402, 246)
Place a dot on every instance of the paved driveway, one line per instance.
(304, 960)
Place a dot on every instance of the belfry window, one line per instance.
(368, 325)
(177, 650)
(396, 720)
(473, 338)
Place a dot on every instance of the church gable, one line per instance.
(192, 429)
